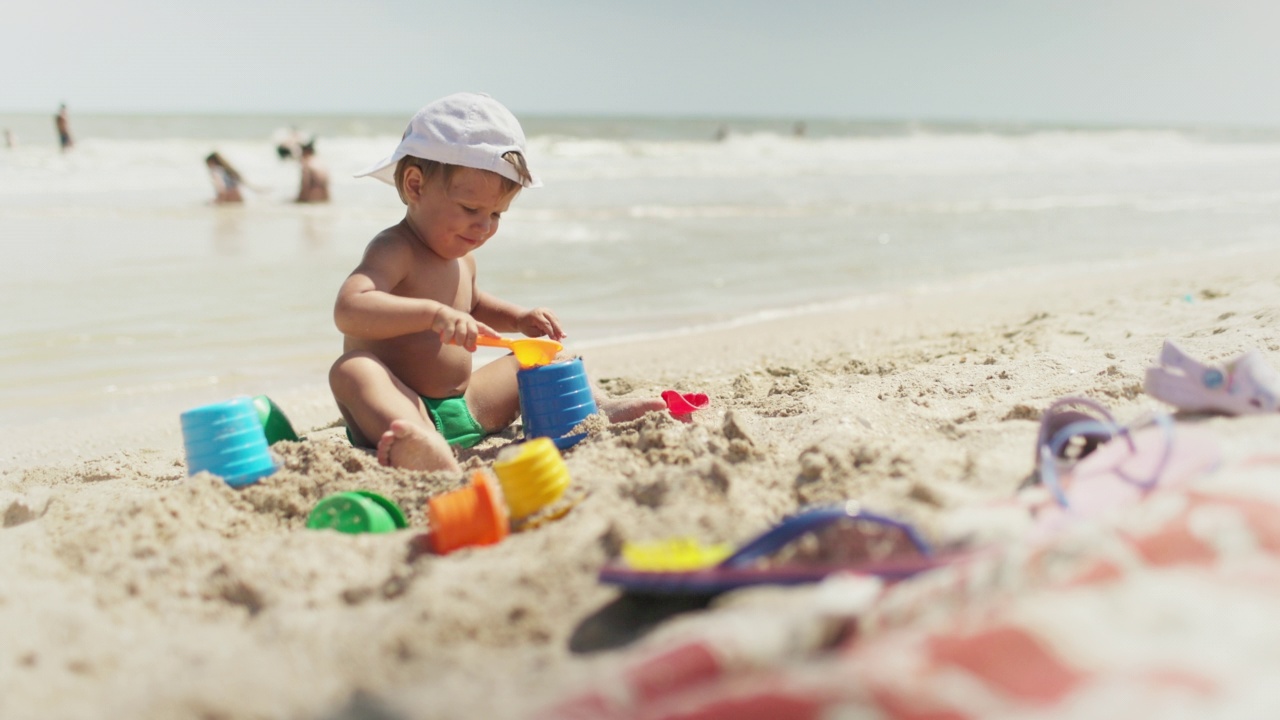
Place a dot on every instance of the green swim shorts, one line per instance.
(453, 419)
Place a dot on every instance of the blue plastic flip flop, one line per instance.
(743, 567)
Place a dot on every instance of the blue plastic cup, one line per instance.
(554, 399)
(227, 439)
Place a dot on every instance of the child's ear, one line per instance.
(412, 182)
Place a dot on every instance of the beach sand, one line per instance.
(128, 589)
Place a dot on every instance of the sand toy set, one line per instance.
(231, 439)
(531, 478)
(525, 488)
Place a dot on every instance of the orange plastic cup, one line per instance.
(473, 515)
(533, 475)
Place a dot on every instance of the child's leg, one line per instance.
(380, 410)
(493, 396)
(624, 409)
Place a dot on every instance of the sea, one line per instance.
(123, 288)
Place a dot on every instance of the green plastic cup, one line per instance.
(359, 511)
(274, 423)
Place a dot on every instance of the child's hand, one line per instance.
(539, 322)
(458, 328)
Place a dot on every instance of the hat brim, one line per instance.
(385, 170)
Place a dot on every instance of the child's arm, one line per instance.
(366, 308)
(502, 315)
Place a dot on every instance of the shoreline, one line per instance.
(845, 320)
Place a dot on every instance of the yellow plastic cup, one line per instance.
(533, 475)
(473, 515)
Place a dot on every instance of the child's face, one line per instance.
(459, 217)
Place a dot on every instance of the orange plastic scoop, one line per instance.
(529, 352)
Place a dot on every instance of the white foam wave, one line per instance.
(173, 168)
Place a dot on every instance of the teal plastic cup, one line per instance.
(227, 440)
(554, 399)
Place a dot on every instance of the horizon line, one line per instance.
(702, 117)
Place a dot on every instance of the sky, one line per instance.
(1186, 62)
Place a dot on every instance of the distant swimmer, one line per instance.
(722, 132)
(10, 140)
(64, 128)
(314, 187)
(226, 180)
(799, 130)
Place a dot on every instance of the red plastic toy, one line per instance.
(682, 405)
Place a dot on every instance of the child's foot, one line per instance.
(412, 447)
(624, 409)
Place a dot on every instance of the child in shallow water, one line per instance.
(411, 311)
(226, 179)
(314, 180)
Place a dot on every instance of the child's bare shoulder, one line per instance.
(395, 240)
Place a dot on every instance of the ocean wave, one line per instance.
(161, 166)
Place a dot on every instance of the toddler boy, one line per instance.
(411, 311)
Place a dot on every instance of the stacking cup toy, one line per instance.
(274, 423)
(533, 475)
(554, 399)
(354, 512)
(227, 439)
(473, 515)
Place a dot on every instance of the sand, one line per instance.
(128, 589)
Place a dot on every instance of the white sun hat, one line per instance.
(468, 129)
